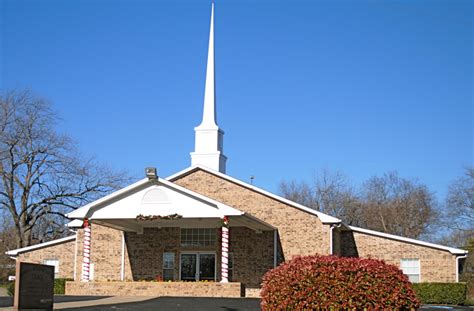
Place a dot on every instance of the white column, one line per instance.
(122, 261)
(225, 251)
(86, 251)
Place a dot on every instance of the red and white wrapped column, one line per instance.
(225, 251)
(86, 262)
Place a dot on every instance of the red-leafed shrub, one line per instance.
(329, 282)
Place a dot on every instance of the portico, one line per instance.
(168, 233)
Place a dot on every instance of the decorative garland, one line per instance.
(158, 217)
(225, 222)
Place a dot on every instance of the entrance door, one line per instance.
(207, 267)
(198, 266)
(188, 267)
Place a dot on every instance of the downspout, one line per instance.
(331, 242)
(75, 257)
(275, 247)
(122, 266)
(457, 266)
(331, 228)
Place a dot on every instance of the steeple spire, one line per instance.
(209, 139)
(209, 113)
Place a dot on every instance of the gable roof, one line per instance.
(15, 252)
(452, 250)
(221, 209)
(327, 219)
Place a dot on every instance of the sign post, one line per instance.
(34, 286)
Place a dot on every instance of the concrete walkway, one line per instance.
(98, 302)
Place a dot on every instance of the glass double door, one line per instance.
(198, 266)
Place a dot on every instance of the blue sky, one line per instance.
(364, 87)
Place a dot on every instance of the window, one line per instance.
(168, 266)
(230, 267)
(198, 237)
(411, 267)
(54, 263)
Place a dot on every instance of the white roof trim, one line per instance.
(76, 223)
(15, 252)
(82, 211)
(452, 250)
(323, 217)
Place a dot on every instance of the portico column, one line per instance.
(225, 251)
(86, 251)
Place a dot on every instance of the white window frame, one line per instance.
(169, 268)
(196, 232)
(409, 274)
(55, 265)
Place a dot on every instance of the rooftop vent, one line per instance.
(150, 172)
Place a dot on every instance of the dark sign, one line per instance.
(34, 286)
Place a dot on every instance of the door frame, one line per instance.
(197, 253)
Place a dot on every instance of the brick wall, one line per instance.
(198, 289)
(252, 253)
(79, 253)
(106, 252)
(63, 252)
(145, 252)
(435, 265)
(300, 233)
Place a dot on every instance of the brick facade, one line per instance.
(435, 265)
(299, 233)
(63, 252)
(143, 258)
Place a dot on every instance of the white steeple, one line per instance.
(209, 138)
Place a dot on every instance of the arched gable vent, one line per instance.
(155, 196)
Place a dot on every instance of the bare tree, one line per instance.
(42, 175)
(7, 242)
(329, 193)
(399, 206)
(299, 192)
(389, 203)
(460, 202)
(459, 211)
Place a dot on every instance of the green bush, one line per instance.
(441, 293)
(59, 287)
(11, 289)
(337, 283)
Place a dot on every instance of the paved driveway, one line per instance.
(168, 303)
(146, 303)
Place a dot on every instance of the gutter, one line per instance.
(457, 266)
(331, 242)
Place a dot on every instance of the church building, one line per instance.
(201, 232)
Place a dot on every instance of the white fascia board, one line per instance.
(81, 212)
(326, 219)
(76, 223)
(452, 250)
(222, 208)
(15, 252)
